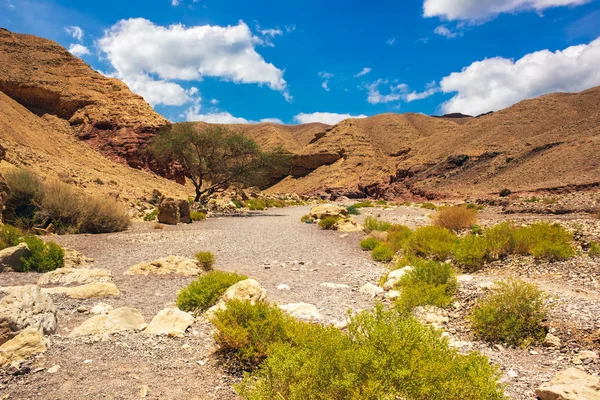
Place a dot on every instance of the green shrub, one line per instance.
(383, 253)
(373, 224)
(256, 204)
(398, 235)
(151, 216)
(471, 252)
(364, 204)
(499, 240)
(505, 192)
(10, 235)
(384, 356)
(246, 331)
(512, 313)
(306, 219)
(44, 256)
(206, 260)
(203, 293)
(429, 206)
(353, 210)
(327, 223)
(429, 283)
(381, 203)
(369, 244)
(24, 198)
(544, 240)
(197, 216)
(477, 230)
(456, 218)
(431, 241)
(238, 204)
(594, 250)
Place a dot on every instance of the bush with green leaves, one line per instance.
(151, 216)
(368, 244)
(429, 283)
(456, 218)
(398, 235)
(238, 204)
(197, 216)
(429, 206)
(431, 242)
(364, 204)
(512, 313)
(306, 219)
(471, 252)
(328, 223)
(203, 293)
(373, 224)
(245, 331)
(44, 256)
(383, 253)
(544, 240)
(353, 210)
(206, 259)
(256, 204)
(383, 356)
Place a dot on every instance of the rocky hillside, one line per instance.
(46, 79)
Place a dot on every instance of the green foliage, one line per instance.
(383, 356)
(256, 204)
(353, 210)
(381, 203)
(477, 230)
(328, 223)
(216, 157)
(398, 235)
(531, 200)
(203, 293)
(471, 252)
(429, 206)
(429, 283)
(383, 253)
(456, 218)
(206, 260)
(431, 241)
(364, 204)
(306, 219)
(368, 244)
(44, 256)
(246, 331)
(151, 216)
(373, 224)
(11, 235)
(238, 204)
(512, 313)
(594, 250)
(544, 240)
(197, 216)
(275, 203)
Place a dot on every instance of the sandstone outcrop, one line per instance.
(172, 212)
(571, 384)
(87, 291)
(170, 321)
(70, 276)
(21, 347)
(119, 320)
(166, 266)
(10, 258)
(26, 307)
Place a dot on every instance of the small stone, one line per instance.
(392, 295)
(88, 361)
(144, 391)
(551, 341)
(82, 309)
(331, 285)
(53, 369)
(511, 373)
(283, 286)
(371, 289)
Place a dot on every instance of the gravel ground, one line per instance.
(273, 247)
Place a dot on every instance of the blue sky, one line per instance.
(324, 60)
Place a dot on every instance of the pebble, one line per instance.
(283, 286)
(53, 369)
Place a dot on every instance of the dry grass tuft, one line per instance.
(158, 226)
(456, 218)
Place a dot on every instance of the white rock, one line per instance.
(170, 321)
(72, 276)
(392, 295)
(331, 285)
(172, 265)
(512, 374)
(571, 384)
(246, 290)
(283, 286)
(101, 308)
(119, 320)
(395, 276)
(464, 278)
(27, 343)
(53, 369)
(303, 311)
(87, 291)
(371, 289)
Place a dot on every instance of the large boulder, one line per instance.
(328, 210)
(348, 225)
(168, 212)
(172, 265)
(88, 291)
(303, 311)
(119, 320)
(170, 321)
(185, 212)
(26, 307)
(247, 290)
(70, 276)
(21, 347)
(571, 384)
(10, 258)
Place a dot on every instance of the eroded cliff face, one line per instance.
(47, 79)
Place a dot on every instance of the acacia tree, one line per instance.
(216, 157)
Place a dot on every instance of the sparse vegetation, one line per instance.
(373, 224)
(306, 219)
(594, 250)
(384, 355)
(206, 259)
(353, 210)
(197, 216)
(429, 206)
(204, 292)
(364, 204)
(456, 218)
(431, 241)
(368, 244)
(256, 204)
(151, 216)
(328, 223)
(512, 313)
(383, 253)
(33, 203)
(429, 283)
(505, 193)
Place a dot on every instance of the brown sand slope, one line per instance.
(47, 146)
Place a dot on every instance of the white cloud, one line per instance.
(214, 102)
(496, 83)
(474, 10)
(391, 41)
(290, 28)
(139, 49)
(397, 92)
(447, 33)
(160, 91)
(174, 3)
(363, 72)
(267, 35)
(272, 120)
(78, 50)
(324, 117)
(75, 32)
(217, 118)
(326, 76)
